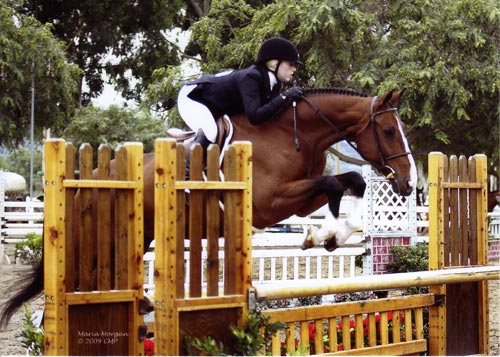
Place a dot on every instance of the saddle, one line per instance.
(224, 134)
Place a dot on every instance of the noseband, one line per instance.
(373, 116)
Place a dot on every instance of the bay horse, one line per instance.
(288, 174)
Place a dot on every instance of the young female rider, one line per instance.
(254, 91)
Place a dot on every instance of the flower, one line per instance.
(149, 347)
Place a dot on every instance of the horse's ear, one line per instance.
(396, 97)
(391, 97)
(385, 99)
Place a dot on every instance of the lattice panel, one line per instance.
(390, 212)
(387, 211)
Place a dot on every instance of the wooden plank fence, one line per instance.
(93, 309)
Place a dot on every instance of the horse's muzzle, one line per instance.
(405, 189)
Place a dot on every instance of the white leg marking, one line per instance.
(353, 222)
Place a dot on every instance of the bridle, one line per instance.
(373, 116)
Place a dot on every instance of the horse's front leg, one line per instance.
(333, 232)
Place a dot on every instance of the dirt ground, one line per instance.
(9, 345)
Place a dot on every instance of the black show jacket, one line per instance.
(241, 91)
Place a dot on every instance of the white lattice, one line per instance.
(386, 211)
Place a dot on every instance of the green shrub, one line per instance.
(30, 250)
(408, 259)
(247, 342)
(31, 336)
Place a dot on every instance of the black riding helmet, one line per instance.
(278, 48)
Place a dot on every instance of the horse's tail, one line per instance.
(23, 292)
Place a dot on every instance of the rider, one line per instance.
(254, 91)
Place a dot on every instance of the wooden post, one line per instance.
(56, 314)
(166, 316)
(482, 250)
(437, 314)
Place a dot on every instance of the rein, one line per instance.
(373, 116)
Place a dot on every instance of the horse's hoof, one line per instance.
(308, 244)
(309, 240)
(331, 244)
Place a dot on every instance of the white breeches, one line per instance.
(195, 114)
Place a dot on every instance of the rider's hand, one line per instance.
(293, 93)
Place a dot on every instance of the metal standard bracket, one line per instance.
(145, 306)
(143, 332)
(439, 299)
(252, 299)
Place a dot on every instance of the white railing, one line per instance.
(494, 225)
(17, 220)
(277, 255)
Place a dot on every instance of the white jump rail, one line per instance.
(381, 282)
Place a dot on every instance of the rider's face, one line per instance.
(286, 71)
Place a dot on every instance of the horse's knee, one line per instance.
(354, 181)
(359, 185)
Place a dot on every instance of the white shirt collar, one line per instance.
(272, 79)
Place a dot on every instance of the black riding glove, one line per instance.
(293, 93)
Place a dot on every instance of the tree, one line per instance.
(444, 53)
(113, 126)
(124, 39)
(29, 51)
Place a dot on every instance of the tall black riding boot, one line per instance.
(201, 139)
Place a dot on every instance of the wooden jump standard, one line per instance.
(89, 309)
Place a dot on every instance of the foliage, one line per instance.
(30, 249)
(28, 50)
(31, 336)
(359, 296)
(113, 126)
(126, 40)
(445, 54)
(281, 304)
(247, 342)
(408, 259)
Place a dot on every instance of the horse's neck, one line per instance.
(335, 113)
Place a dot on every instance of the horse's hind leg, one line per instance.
(333, 232)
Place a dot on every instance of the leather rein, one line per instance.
(373, 116)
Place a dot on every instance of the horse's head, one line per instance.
(383, 143)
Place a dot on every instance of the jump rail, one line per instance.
(368, 283)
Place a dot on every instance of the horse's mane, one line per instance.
(341, 91)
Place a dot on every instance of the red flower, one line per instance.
(312, 330)
(149, 347)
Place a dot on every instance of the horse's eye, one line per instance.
(388, 132)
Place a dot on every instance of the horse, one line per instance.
(289, 158)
